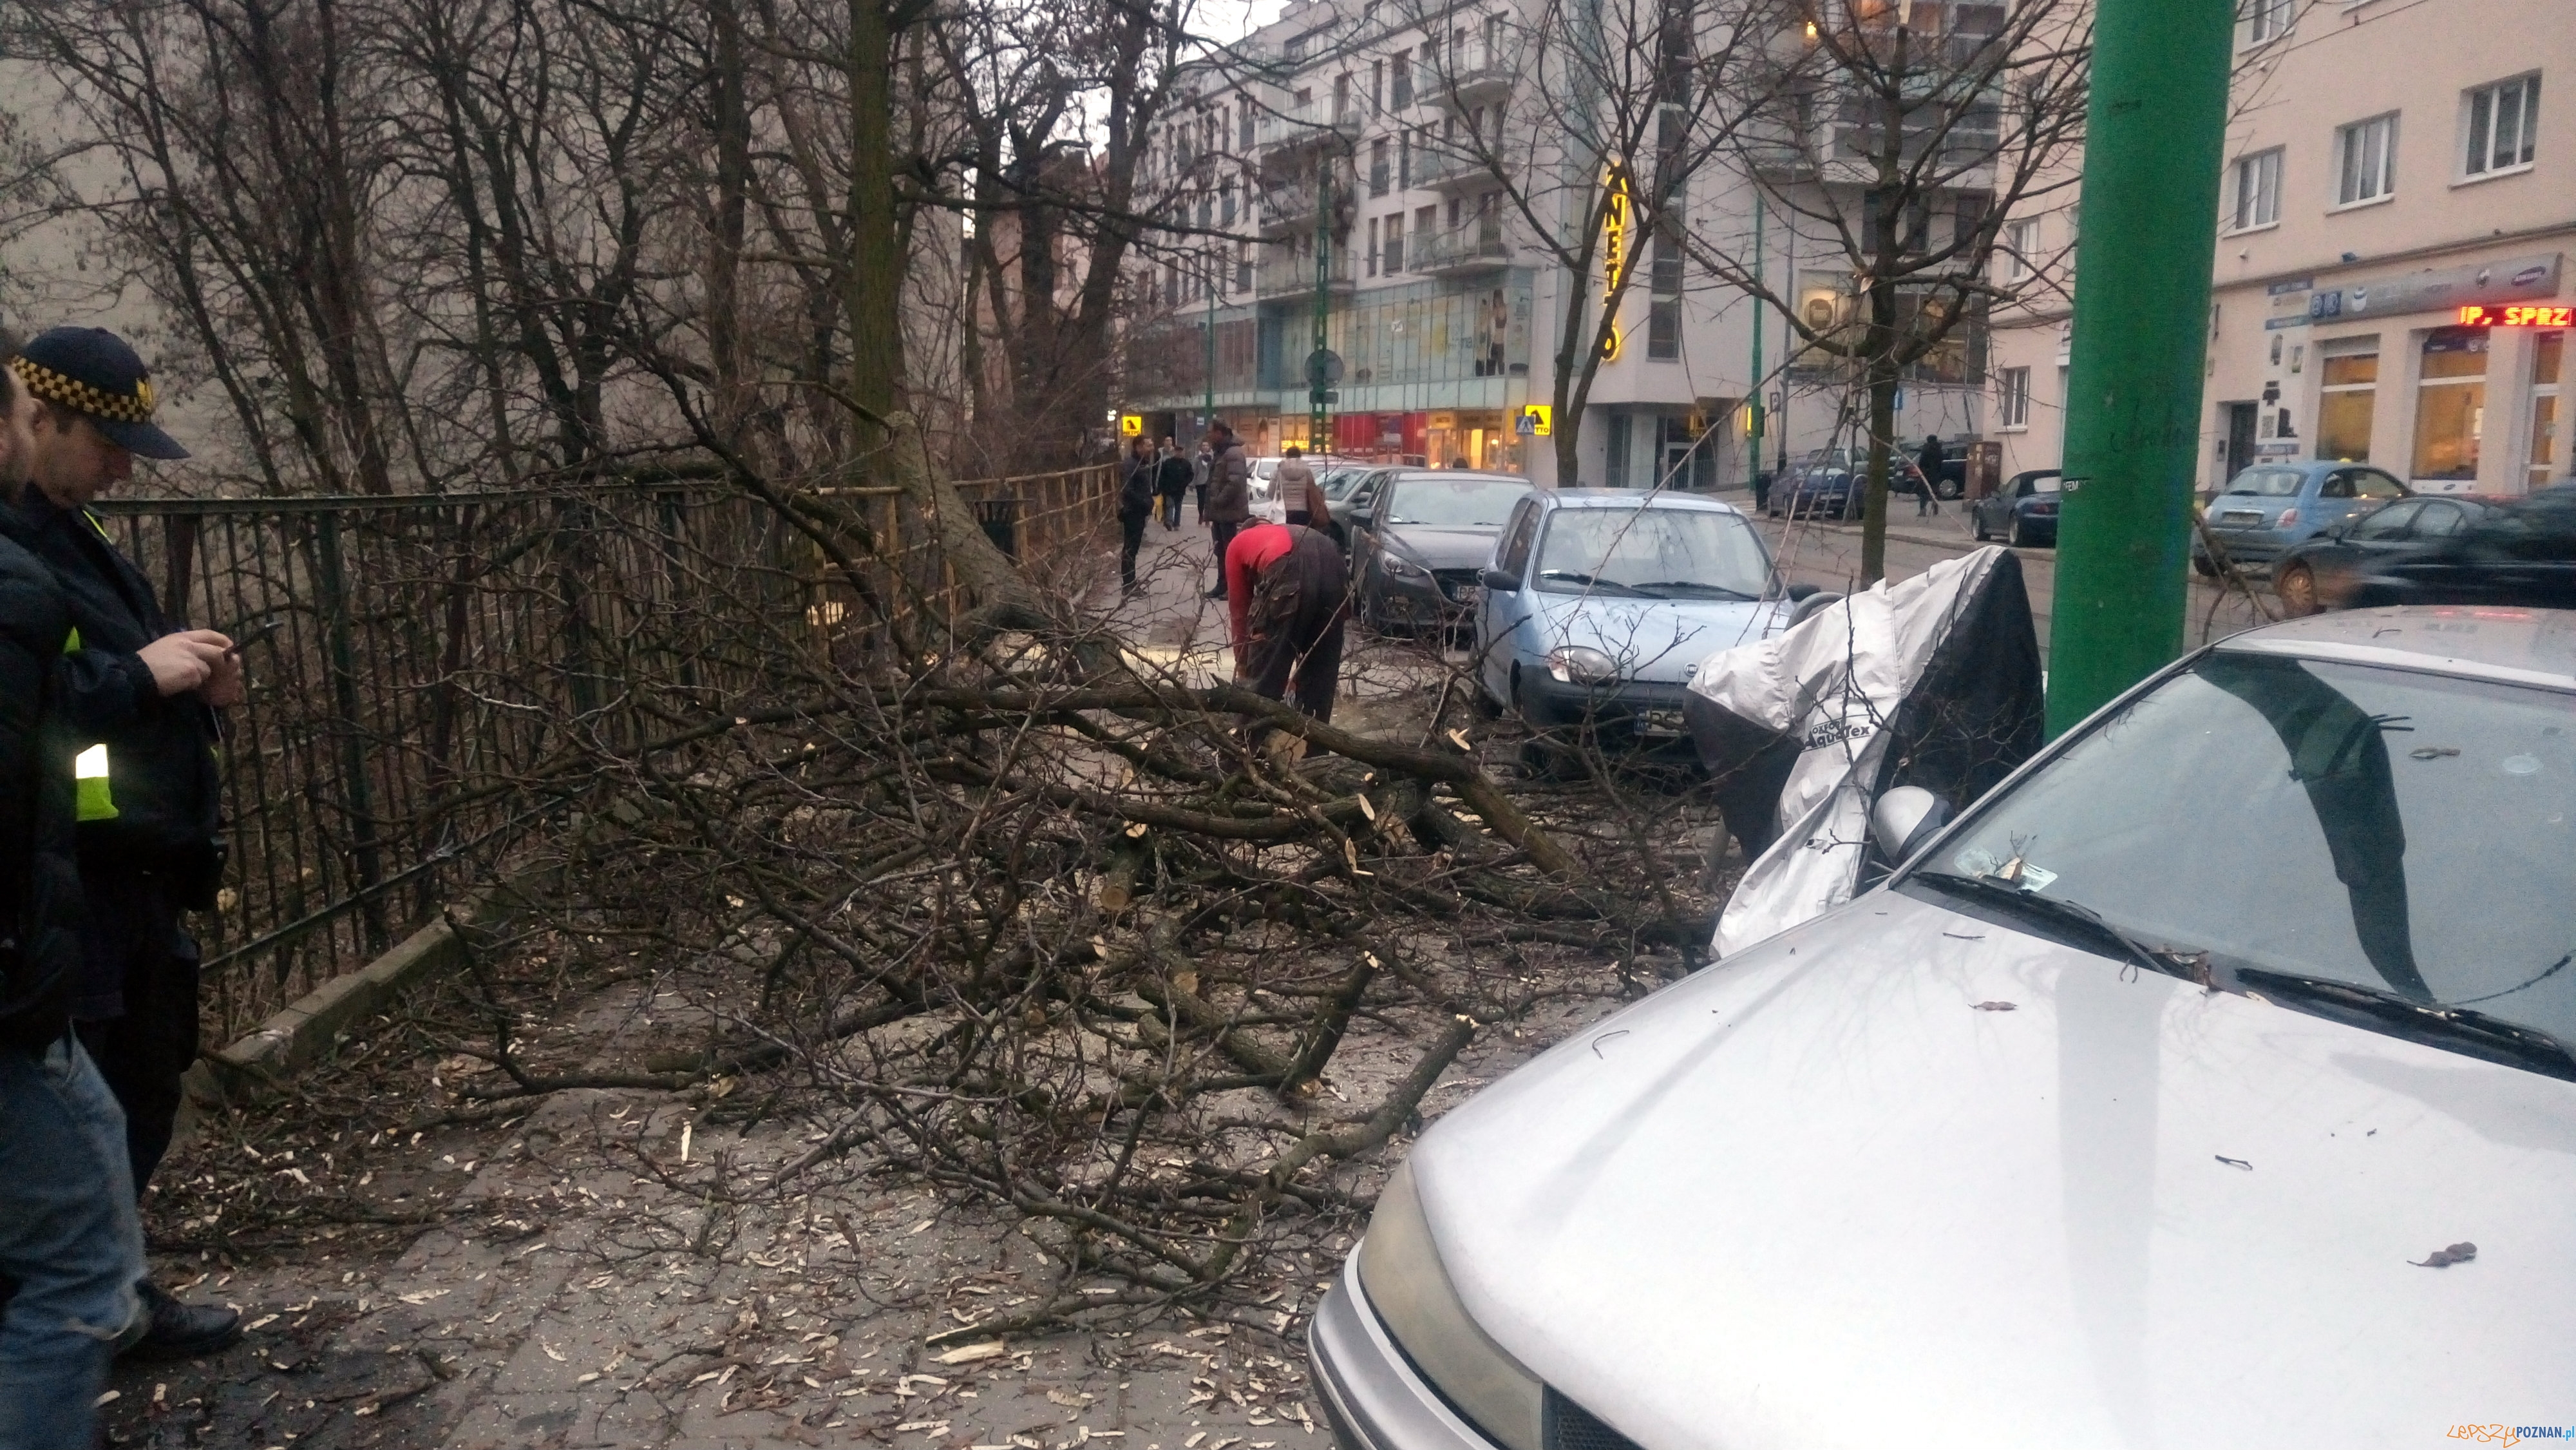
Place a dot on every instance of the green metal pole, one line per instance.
(1753, 384)
(1316, 422)
(1215, 285)
(2155, 132)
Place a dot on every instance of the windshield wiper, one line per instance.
(2188, 964)
(1588, 582)
(1693, 584)
(2476, 1033)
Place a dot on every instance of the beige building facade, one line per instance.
(2392, 281)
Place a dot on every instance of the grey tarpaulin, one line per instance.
(1934, 682)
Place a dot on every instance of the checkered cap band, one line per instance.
(52, 386)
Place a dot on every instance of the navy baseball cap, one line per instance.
(93, 371)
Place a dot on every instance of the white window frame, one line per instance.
(2249, 172)
(2478, 134)
(2021, 248)
(2012, 400)
(2353, 154)
(2266, 21)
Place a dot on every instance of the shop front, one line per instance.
(2450, 376)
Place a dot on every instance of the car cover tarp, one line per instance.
(1934, 682)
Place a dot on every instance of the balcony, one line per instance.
(1462, 251)
(1292, 274)
(1306, 126)
(1460, 172)
(1480, 79)
(1288, 206)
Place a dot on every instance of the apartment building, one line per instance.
(1441, 306)
(2391, 281)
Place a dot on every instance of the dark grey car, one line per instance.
(1419, 537)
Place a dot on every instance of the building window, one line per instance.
(2548, 428)
(2450, 404)
(1378, 169)
(2012, 396)
(2258, 190)
(2366, 160)
(1399, 91)
(1615, 475)
(1391, 255)
(2348, 394)
(2503, 120)
(1404, 158)
(2020, 250)
(1342, 112)
(1664, 281)
(1372, 247)
(1377, 86)
(2267, 19)
(1243, 127)
(1243, 266)
(1664, 329)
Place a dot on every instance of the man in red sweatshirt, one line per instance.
(1289, 592)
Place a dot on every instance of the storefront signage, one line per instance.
(2475, 316)
(1618, 213)
(2443, 289)
(1534, 420)
(1131, 425)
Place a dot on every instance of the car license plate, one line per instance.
(1468, 596)
(1661, 722)
(2241, 518)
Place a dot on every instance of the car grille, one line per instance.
(1566, 1425)
(1458, 586)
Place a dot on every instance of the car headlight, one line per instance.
(1401, 1273)
(1582, 665)
(1400, 567)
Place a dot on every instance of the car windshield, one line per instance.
(2047, 483)
(1262, 468)
(2269, 482)
(2400, 839)
(1660, 552)
(1337, 485)
(1457, 503)
(1834, 459)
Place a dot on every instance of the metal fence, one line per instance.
(418, 666)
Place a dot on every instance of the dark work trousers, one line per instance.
(139, 1005)
(1300, 602)
(1131, 531)
(1223, 532)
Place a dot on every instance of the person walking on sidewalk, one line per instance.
(1200, 467)
(1927, 490)
(1171, 480)
(71, 1243)
(1289, 592)
(141, 694)
(1229, 498)
(1135, 506)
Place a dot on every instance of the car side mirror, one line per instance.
(1500, 581)
(1798, 593)
(1905, 818)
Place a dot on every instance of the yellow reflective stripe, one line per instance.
(89, 777)
(71, 641)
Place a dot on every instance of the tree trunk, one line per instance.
(872, 288)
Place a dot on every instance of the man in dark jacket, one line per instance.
(1229, 497)
(1172, 479)
(71, 1249)
(1135, 506)
(1927, 489)
(140, 694)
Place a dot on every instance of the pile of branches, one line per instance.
(1143, 958)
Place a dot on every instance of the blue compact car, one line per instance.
(2269, 507)
(1599, 603)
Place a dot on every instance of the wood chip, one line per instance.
(968, 1354)
(2445, 1258)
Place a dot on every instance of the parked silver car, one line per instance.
(2204, 1084)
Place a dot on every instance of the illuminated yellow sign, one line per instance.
(1538, 417)
(1131, 425)
(1618, 214)
(1610, 346)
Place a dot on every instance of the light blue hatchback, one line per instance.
(2269, 507)
(1599, 603)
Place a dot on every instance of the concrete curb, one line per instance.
(306, 1029)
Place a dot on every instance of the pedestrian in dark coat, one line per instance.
(1172, 479)
(71, 1244)
(1229, 498)
(1927, 495)
(141, 694)
(1135, 506)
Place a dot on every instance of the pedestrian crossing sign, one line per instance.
(1533, 420)
(1131, 425)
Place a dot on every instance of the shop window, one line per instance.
(2348, 396)
(2450, 404)
(2548, 424)
(1615, 471)
(2503, 123)
(1664, 329)
(2366, 160)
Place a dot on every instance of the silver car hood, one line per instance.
(1661, 641)
(1815, 1197)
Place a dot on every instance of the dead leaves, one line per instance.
(2445, 1258)
(1995, 1006)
